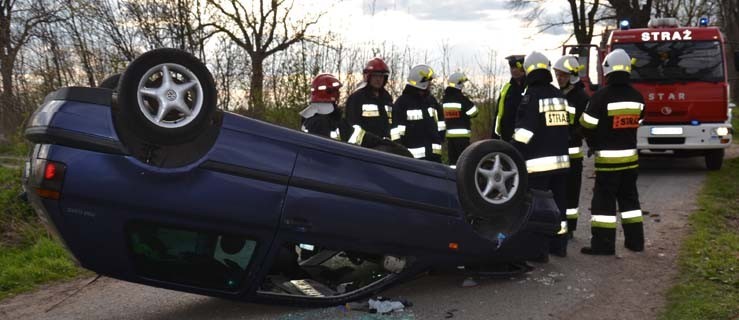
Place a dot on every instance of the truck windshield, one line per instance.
(675, 61)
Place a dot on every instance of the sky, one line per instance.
(470, 27)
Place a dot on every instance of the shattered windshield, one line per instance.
(676, 61)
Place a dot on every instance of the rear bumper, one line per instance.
(683, 137)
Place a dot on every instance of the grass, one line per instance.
(708, 285)
(24, 268)
(28, 256)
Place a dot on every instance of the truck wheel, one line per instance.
(714, 159)
(491, 178)
(165, 97)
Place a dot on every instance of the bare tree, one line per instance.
(18, 20)
(583, 16)
(729, 20)
(637, 12)
(261, 28)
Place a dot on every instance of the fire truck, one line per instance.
(682, 74)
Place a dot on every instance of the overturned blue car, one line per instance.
(150, 183)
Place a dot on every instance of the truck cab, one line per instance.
(681, 72)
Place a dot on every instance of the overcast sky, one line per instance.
(470, 27)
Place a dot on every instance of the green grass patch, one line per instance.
(28, 256)
(24, 268)
(708, 284)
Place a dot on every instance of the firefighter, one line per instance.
(370, 106)
(566, 70)
(611, 121)
(323, 117)
(458, 110)
(541, 134)
(417, 116)
(509, 100)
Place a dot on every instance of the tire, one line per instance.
(714, 159)
(110, 82)
(165, 97)
(505, 168)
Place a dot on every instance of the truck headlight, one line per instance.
(721, 131)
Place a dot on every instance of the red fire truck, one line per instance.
(681, 72)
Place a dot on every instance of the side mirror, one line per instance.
(736, 61)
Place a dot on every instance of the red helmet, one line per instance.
(376, 65)
(325, 88)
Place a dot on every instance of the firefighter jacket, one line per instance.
(541, 132)
(333, 126)
(505, 116)
(611, 121)
(372, 113)
(419, 118)
(458, 110)
(577, 100)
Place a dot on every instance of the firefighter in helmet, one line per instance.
(458, 110)
(610, 122)
(566, 71)
(541, 134)
(370, 106)
(323, 117)
(418, 116)
(510, 98)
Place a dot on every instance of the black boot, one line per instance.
(599, 252)
(634, 236)
(558, 246)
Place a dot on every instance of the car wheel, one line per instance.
(714, 159)
(491, 178)
(165, 97)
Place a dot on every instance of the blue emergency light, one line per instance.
(703, 22)
(624, 25)
(695, 122)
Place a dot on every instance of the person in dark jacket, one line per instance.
(370, 106)
(541, 135)
(458, 110)
(509, 100)
(417, 116)
(611, 121)
(566, 70)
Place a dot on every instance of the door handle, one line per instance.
(298, 224)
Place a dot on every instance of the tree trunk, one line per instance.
(256, 87)
(6, 70)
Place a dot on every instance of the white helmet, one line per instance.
(617, 60)
(569, 65)
(420, 76)
(457, 80)
(535, 61)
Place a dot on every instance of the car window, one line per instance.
(204, 259)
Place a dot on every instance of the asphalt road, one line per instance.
(627, 286)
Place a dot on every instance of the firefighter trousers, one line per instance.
(557, 183)
(455, 147)
(615, 191)
(574, 181)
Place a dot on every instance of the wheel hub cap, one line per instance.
(171, 95)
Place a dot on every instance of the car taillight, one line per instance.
(51, 179)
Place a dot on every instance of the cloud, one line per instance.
(440, 10)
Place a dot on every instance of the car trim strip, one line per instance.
(74, 139)
(369, 196)
(245, 172)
